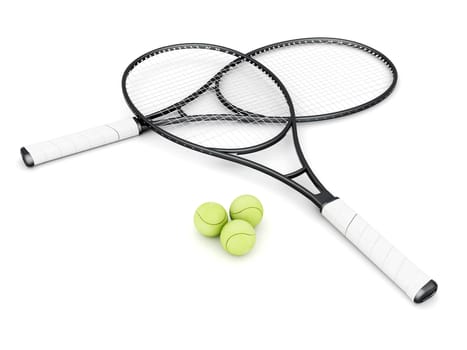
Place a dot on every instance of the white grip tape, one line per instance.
(375, 247)
(82, 141)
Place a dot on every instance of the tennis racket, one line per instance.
(309, 67)
(175, 92)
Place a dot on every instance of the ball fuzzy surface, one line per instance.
(248, 208)
(238, 237)
(210, 218)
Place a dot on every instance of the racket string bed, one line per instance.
(206, 121)
(329, 76)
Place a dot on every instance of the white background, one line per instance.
(98, 251)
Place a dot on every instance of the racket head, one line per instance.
(172, 90)
(328, 77)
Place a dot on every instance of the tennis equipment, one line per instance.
(317, 72)
(238, 237)
(248, 208)
(175, 91)
(210, 218)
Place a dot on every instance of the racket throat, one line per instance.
(324, 198)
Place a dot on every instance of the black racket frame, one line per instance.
(336, 41)
(319, 199)
(331, 41)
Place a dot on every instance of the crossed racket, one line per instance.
(221, 102)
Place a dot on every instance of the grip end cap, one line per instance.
(426, 292)
(27, 158)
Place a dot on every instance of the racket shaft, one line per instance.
(82, 141)
(406, 275)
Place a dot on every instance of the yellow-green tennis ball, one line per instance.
(238, 237)
(210, 218)
(248, 208)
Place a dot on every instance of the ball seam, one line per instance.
(208, 223)
(238, 212)
(236, 234)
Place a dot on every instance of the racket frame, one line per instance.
(319, 199)
(51, 150)
(337, 41)
(406, 275)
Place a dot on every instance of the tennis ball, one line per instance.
(238, 237)
(248, 208)
(209, 219)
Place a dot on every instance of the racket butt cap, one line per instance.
(27, 158)
(426, 292)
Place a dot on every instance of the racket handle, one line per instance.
(406, 275)
(82, 141)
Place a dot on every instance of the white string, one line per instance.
(321, 78)
(163, 80)
(324, 78)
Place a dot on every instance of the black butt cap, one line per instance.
(426, 292)
(27, 158)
